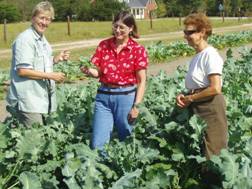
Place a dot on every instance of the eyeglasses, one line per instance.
(44, 18)
(120, 27)
(189, 32)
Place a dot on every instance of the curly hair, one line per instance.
(201, 22)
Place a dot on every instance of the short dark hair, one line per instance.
(200, 21)
(128, 19)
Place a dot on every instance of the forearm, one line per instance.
(213, 89)
(140, 93)
(208, 92)
(141, 86)
(33, 74)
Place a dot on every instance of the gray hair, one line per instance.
(42, 7)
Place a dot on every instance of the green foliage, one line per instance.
(106, 9)
(85, 62)
(162, 153)
(184, 7)
(84, 10)
(9, 12)
(71, 70)
(160, 52)
(29, 180)
(4, 80)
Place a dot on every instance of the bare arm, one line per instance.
(141, 78)
(32, 74)
(213, 89)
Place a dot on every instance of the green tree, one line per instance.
(227, 7)
(9, 12)
(85, 12)
(235, 7)
(106, 9)
(247, 7)
(173, 7)
(64, 8)
(24, 7)
(212, 7)
(161, 10)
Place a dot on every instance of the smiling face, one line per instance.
(121, 31)
(193, 36)
(41, 21)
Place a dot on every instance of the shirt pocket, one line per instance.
(38, 63)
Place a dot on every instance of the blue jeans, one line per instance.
(111, 110)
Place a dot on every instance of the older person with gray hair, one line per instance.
(32, 88)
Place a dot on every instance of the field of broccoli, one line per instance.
(162, 153)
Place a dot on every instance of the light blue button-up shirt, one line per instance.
(31, 51)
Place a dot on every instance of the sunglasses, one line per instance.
(189, 32)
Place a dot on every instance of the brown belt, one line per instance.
(114, 86)
(194, 91)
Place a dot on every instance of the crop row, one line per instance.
(162, 153)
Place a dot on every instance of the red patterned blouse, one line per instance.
(119, 69)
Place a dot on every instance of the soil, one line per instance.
(168, 67)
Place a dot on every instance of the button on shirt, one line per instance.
(201, 66)
(119, 69)
(31, 51)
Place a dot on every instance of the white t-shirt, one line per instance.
(203, 64)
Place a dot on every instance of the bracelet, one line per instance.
(190, 98)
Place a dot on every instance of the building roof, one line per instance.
(137, 3)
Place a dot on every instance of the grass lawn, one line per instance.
(57, 31)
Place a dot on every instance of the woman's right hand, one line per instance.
(180, 100)
(57, 76)
(89, 71)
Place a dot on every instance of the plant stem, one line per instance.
(11, 174)
(13, 185)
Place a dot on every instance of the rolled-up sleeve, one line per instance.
(24, 53)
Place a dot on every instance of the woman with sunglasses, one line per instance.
(120, 64)
(204, 83)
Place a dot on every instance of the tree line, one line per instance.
(209, 7)
(90, 10)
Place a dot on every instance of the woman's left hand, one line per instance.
(183, 101)
(134, 112)
(62, 56)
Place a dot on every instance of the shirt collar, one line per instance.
(129, 45)
(37, 35)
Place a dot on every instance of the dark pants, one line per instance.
(213, 111)
(26, 118)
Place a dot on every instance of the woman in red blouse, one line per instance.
(121, 65)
